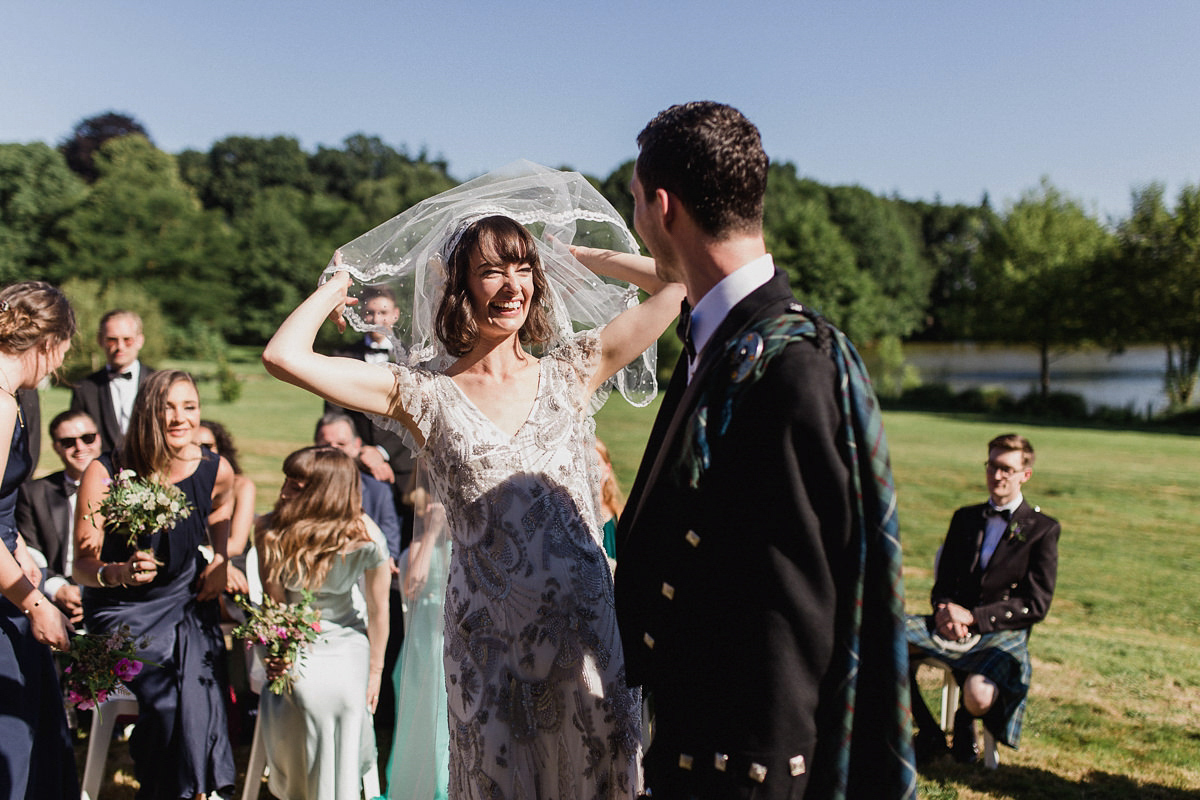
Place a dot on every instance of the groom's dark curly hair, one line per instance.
(711, 157)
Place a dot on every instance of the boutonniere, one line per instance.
(1014, 532)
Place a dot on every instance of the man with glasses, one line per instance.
(994, 580)
(108, 394)
(46, 507)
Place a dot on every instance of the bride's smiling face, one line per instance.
(500, 293)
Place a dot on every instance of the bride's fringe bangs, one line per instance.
(500, 240)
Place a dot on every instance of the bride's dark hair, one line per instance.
(501, 240)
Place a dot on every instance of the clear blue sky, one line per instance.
(923, 99)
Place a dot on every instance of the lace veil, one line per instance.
(408, 254)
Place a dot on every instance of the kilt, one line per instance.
(1001, 656)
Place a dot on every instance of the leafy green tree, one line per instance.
(90, 135)
(361, 158)
(1157, 271)
(383, 198)
(887, 252)
(806, 244)
(1034, 270)
(141, 223)
(241, 167)
(952, 238)
(278, 265)
(37, 194)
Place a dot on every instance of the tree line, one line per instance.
(217, 247)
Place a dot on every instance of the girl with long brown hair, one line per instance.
(319, 736)
(163, 589)
(36, 760)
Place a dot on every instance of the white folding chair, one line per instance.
(119, 703)
(950, 698)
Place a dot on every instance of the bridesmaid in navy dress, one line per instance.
(167, 591)
(36, 759)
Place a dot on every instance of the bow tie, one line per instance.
(70, 487)
(114, 375)
(683, 329)
(1003, 513)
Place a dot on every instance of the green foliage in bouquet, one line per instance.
(284, 629)
(136, 506)
(99, 664)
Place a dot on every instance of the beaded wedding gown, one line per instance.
(535, 676)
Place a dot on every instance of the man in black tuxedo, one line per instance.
(107, 395)
(739, 545)
(383, 454)
(46, 507)
(995, 579)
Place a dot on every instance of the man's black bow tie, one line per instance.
(1003, 513)
(683, 329)
(114, 375)
(71, 487)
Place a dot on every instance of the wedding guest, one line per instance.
(108, 394)
(215, 437)
(419, 763)
(164, 589)
(46, 508)
(995, 579)
(36, 757)
(318, 737)
(340, 430)
(611, 501)
(534, 672)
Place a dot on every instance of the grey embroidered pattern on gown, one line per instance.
(535, 677)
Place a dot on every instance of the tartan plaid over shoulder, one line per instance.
(871, 655)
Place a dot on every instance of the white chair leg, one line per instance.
(991, 756)
(256, 766)
(371, 782)
(950, 698)
(103, 721)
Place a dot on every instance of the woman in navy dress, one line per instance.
(165, 590)
(36, 758)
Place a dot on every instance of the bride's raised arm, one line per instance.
(632, 331)
(350, 383)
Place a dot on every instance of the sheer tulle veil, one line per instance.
(407, 254)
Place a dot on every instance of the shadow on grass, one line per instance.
(944, 780)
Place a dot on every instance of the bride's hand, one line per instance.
(341, 283)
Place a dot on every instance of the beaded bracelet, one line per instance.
(36, 603)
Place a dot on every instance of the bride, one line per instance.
(496, 391)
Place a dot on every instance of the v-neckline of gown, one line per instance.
(507, 437)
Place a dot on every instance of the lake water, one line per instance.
(1132, 379)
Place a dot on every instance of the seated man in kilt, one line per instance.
(995, 579)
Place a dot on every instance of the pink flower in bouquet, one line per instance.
(316, 626)
(281, 632)
(101, 696)
(127, 669)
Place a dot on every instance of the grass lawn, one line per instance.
(1114, 711)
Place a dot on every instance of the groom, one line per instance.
(758, 594)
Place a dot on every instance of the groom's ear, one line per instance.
(669, 206)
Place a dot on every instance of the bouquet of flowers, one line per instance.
(141, 507)
(283, 629)
(99, 663)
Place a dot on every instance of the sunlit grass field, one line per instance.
(1114, 711)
